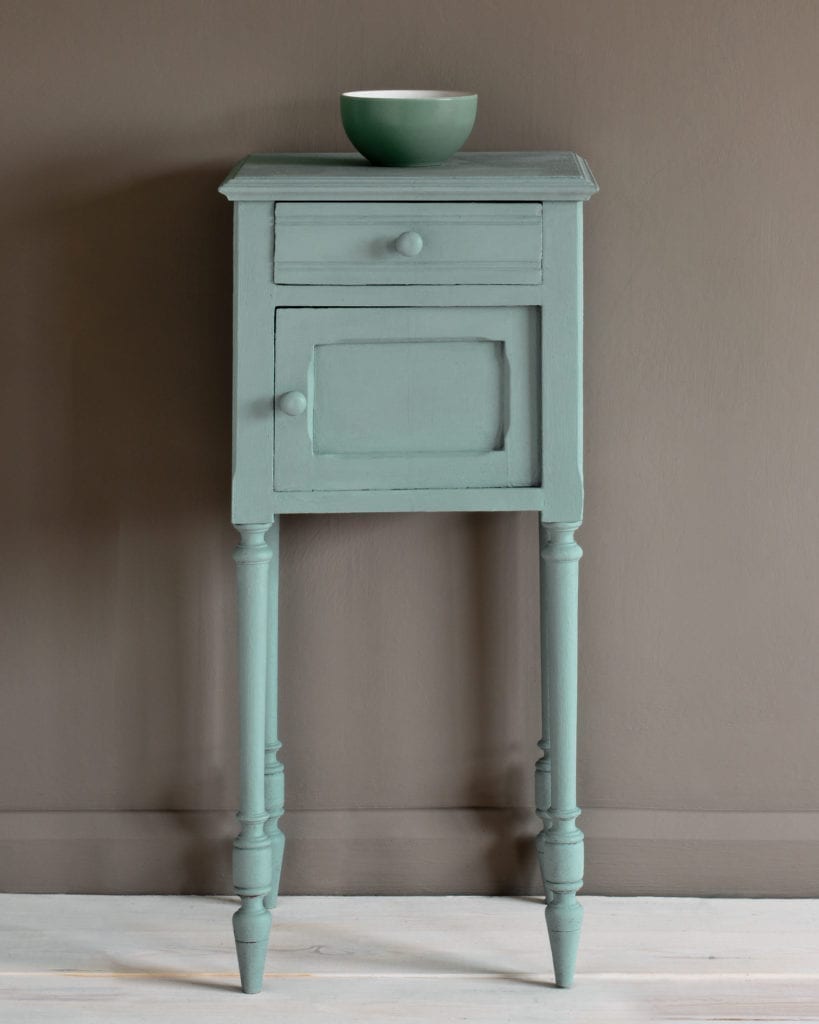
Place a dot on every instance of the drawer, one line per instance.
(398, 398)
(442, 243)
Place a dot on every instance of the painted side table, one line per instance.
(406, 340)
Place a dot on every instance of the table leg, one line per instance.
(273, 768)
(543, 768)
(252, 859)
(561, 846)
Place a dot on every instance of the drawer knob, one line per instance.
(409, 244)
(293, 403)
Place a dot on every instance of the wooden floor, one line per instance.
(170, 959)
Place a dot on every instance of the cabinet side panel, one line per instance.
(562, 361)
(253, 421)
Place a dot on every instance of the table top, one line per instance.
(507, 175)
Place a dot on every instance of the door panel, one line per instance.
(407, 398)
(413, 391)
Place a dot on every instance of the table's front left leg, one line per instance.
(252, 860)
(561, 848)
(273, 768)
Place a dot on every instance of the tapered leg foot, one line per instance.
(251, 929)
(564, 916)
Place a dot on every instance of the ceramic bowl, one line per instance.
(408, 127)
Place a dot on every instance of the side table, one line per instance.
(406, 339)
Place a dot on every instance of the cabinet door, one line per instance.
(407, 398)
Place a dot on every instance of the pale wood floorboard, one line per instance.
(90, 959)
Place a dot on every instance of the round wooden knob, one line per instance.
(409, 244)
(293, 403)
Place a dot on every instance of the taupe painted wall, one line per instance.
(409, 643)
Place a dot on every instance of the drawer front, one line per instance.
(362, 243)
(406, 398)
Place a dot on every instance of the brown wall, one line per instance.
(409, 644)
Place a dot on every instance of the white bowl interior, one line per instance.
(407, 94)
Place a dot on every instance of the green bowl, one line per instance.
(408, 127)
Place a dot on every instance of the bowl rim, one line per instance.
(408, 94)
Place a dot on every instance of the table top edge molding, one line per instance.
(548, 175)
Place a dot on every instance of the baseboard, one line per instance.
(628, 852)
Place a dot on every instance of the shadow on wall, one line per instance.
(409, 702)
(117, 361)
(144, 309)
(117, 592)
(505, 797)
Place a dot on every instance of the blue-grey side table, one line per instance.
(406, 340)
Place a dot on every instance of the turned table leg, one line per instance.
(252, 855)
(273, 768)
(560, 846)
(543, 768)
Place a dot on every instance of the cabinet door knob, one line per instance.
(293, 403)
(409, 244)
